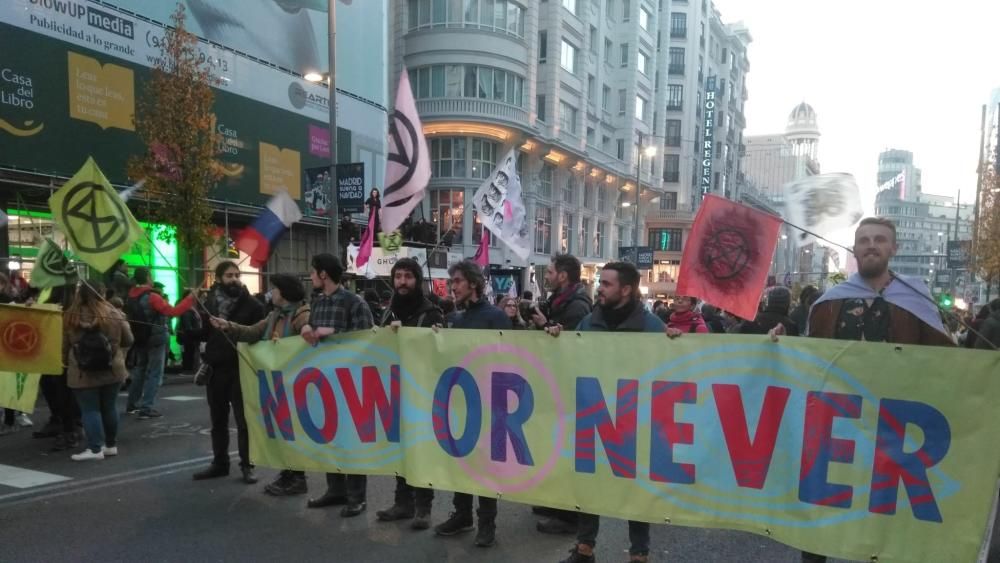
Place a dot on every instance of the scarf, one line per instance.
(286, 313)
(225, 302)
(558, 300)
(909, 294)
(615, 317)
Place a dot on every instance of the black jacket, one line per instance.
(481, 315)
(220, 351)
(572, 310)
(425, 316)
(764, 322)
(990, 329)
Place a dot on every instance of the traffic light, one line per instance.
(946, 301)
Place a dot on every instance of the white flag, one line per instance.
(501, 207)
(822, 204)
(408, 166)
(127, 193)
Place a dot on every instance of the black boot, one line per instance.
(353, 509)
(211, 472)
(486, 536)
(328, 499)
(397, 511)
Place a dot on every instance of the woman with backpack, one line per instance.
(95, 338)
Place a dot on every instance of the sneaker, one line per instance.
(87, 455)
(146, 414)
(421, 521)
(21, 420)
(131, 409)
(456, 523)
(110, 452)
(576, 557)
(395, 512)
(487, 535)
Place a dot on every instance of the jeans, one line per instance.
(147, 373)
(100, 416)
(638, 533)
(487, 506)
(354, 487)
(409, 496)
(223, 390)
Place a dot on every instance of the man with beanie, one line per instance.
(228, 300)
(774, 311)
(409, 307)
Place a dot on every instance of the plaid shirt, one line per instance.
(341, 310)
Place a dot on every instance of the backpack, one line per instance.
(93, 351)
(138, 320)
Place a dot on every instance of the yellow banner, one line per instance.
(850, 449)
(19, 391)
(31, 339)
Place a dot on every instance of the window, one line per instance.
(623, 236)
(665, 240)
(591, 135)
(569, 122)
(644, 17)
(609, 9)
(588, 195)
(605, 143)
(566, 242)
(543, 46)
(678, 25)
(591, 87)
(642, 62)
(484, 158)
(672, 168)
(640, 108)
(675, 97)
(605, 97)
(607, 50)
(447, 213)
(448, 157)
(676, 61)
(540, 103)
(626, 8)
(543, 229)
(545, 177)
(501, 16)
(593, 40)
(568, 187)
(621, 149)
(624, 53)
(467, 81)
(599, 239)
(672, 138)
(570, 6)
(602, 199)
(668, 201)
(622, 97)
(585, 237)
(568, 60)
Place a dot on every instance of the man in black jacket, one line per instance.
(228, 300)
(569, 301)
(468, 285)
(409, 307)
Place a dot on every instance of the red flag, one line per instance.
(727, 257)
(483, 252)
(367, 239)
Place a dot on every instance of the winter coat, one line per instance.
(157, 311)
(764, 322)
(570, 311)
(990, 330)
(426, 316)
(275, 319)
(690, 322)
(481, 315)
(220, 352)
(640, 320)
(116, 330)
(904, 326)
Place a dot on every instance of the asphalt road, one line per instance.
(144, 506)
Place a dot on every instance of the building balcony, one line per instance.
(682, 213)
(675, 70)
(472, 108)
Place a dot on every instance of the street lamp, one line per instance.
(649, 151)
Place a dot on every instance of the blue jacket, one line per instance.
(481, 314)
(640, 320)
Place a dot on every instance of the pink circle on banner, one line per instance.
(511, 467)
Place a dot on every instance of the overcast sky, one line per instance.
(881, 74)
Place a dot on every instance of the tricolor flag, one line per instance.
(408, 166)
(259, 239)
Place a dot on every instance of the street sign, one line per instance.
(645, 262)
(958, 254)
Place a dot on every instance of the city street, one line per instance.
(143, 506)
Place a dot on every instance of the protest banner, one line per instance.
(19, 391)
(851, 449)
(31, 339)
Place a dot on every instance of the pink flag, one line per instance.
(408, 166)
(367, 239)
(483, 252)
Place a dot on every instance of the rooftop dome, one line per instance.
(802, 120)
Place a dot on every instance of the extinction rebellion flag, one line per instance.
(726, 259)
(52, 269)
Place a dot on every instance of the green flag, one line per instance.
(52, 269)
(98, 224)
